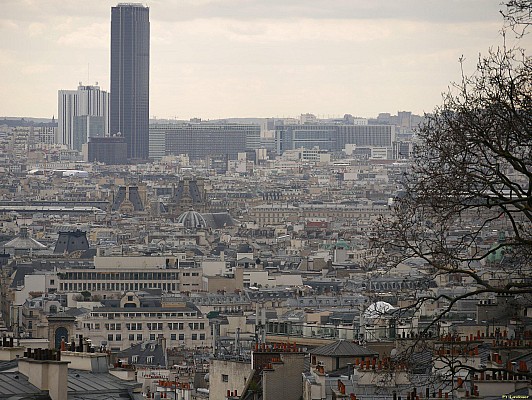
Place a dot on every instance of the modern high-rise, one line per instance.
(87, 127)
(130, 77)
(87, 100)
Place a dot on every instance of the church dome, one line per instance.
(378, 309)
(192, 219)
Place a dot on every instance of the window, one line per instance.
(134, 326)
(134, 359)
(181, 336)
(202, 336)
(225, 378)
(110, 337)
(139, 336)
(173, 336)
(131, 336)
(152, 336)
(194, 336)
(118, 337)
(155, 326)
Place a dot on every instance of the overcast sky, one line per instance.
(243, 58)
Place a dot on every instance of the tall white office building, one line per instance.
(85, 101)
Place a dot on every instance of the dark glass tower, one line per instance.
(130, 77)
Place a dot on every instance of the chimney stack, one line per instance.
(46, 373)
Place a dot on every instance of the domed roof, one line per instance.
(24, 242)
(378, 309)
(192, 219)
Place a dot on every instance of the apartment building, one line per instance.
(282, 213)
(133, 319)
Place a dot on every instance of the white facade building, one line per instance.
(86, 100)
(180, 323)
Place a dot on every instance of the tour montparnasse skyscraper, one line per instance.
(130, 77)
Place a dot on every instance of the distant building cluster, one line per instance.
(233, 259)
(82, 134)
(256, 269)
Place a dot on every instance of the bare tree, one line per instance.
(466, 207)
(518, 16)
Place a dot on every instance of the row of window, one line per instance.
(152, 326)
(155, 326)
(115, 276)
(117, 337)
(144, 315)
(117, 286)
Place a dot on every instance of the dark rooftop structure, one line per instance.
(219, 220)
(189, 193)
(108, 150)
(128, 194)
(71, 241)
(145, 354)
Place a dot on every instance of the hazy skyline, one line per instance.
(243, 58)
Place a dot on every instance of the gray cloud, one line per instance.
(215, 58)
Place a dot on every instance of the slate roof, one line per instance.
(22, 270)
(82, 385)
(88, 385)
(7, 365)
(143, 351)
(14, 385)
(342, 348)
(218, 220)
(71, 241)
